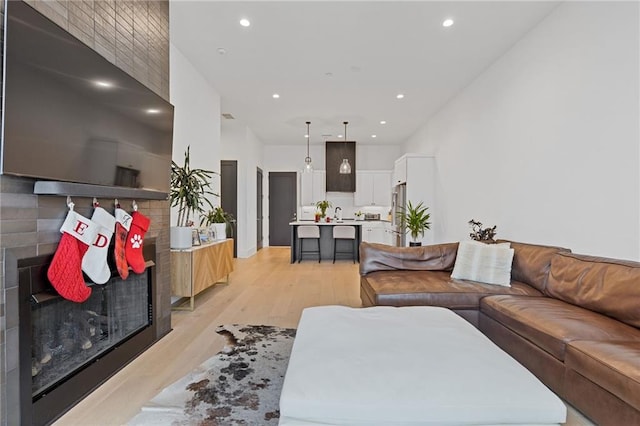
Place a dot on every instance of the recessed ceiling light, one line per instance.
(383, 122)
(153, 111)
(374, 136)
(275, 96)
(306, 136)
(245, 22)
(339, 136)
(447, 22)
(102, 83)
(399, 96)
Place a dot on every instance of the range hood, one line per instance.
(335, 152)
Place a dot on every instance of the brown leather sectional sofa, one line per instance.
(572, 320)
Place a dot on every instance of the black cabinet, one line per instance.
(335, 152)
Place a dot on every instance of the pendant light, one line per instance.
(345, 167)
(308, 167)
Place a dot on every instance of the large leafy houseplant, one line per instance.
(415, 220)
(189, 190)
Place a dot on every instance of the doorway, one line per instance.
(282, 206)
(259, 231)
(229, 196)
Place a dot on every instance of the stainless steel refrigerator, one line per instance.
(398, 201)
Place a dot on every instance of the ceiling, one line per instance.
(336, 61)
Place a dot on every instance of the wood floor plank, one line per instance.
(264, 289)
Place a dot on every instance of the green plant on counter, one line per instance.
(415, 219)
(189, 189)
(323, 206)
(217, 215)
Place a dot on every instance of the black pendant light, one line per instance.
(345, 167)
(308, 167)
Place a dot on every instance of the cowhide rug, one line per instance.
(241, 385)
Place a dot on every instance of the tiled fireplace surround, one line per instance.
(134, 35)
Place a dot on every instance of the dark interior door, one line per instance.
(282, 207)
(229, 195)
(259, 209)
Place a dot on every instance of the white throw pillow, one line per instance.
(485, 263)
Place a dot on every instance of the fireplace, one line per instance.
(68, 349)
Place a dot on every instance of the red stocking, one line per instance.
(123, 222)
(65, 273)
(133, 250)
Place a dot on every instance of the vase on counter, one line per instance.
(220, 230)
(180, 237)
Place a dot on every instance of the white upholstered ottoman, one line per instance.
(406, 366)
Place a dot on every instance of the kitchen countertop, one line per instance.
(334, 222)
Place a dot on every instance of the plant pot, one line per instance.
(180, 237)
(221, 230)
(415, 244)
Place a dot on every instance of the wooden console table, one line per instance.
(198, 268)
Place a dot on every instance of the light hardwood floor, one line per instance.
(264, 289)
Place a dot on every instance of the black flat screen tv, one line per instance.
(70, 115)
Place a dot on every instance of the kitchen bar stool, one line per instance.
(308, 232)
(346, 233)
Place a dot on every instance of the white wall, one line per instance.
(545, 143)
(196, 120)
(239, 143)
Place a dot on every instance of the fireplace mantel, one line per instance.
(47, 187)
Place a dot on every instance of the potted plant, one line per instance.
(415, 220)
(220, 221)
(485, 235)
(323, 206)
(189, 190)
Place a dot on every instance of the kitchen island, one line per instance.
(326, 237)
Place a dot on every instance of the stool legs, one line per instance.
(301, 252)
(353, 249)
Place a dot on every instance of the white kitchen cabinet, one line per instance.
(400, 171)
(389, 235)
(376, 232)
(364, 189)
(372, 188)
(312, 187)
(382, 188)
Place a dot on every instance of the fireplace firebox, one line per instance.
(68, 349)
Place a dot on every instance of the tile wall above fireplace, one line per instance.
(133, 35)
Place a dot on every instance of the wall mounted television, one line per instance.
(70, 115)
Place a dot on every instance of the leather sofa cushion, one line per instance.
(531, 263)
(432, 288)
(608, 286)
(614, 366)
(381, 257)
(551, 324)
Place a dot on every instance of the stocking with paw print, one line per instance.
(135, 237)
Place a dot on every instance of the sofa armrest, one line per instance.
(380, 257)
